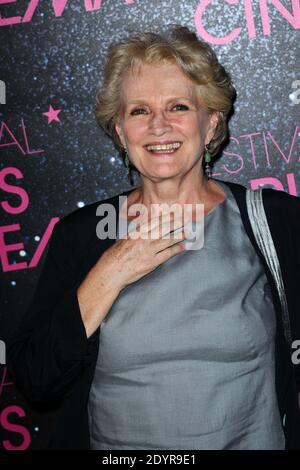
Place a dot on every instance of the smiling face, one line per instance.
(162, 122)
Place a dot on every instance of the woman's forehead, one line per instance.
(162, 70)
(165, 79)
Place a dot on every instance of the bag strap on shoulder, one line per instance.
(261, 231)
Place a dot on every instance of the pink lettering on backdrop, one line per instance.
(256, 137)
(235, 155)
(286, 158)
(202, 31)
(266, 148)
(59, 6)
(291, 184)
(252, 145)
(92, 5)
(30, 11)
(5, 423)
(3, 382)
(20, 207)
(269, 149)
(249, 18)
(265, 17)
(12, 19)
(292, 18)
(276, 183)
(28, 151)
(14, 140)
(255, 183)
(43, 243)
(14, 428)
(9, 188)
(6, 248)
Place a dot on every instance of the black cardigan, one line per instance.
(53, 362)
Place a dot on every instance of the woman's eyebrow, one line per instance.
(172, 98)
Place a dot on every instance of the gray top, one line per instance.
(186, 353)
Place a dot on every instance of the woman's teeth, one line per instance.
(164, 148)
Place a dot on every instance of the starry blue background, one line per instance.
(59, 61)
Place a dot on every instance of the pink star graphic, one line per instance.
(52, 114)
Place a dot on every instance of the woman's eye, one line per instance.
(137, 111)
(181, 107)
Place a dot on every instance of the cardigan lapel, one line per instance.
(282, 358)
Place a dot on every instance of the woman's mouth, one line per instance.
(163, 149)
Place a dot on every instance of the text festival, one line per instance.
(204, 7)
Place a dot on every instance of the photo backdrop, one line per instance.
(55, 159)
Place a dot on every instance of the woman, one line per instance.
(141, 342)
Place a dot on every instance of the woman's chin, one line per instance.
(162, 173)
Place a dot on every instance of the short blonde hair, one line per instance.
(178, 45)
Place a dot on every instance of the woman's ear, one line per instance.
(213, 121)
(119, 131)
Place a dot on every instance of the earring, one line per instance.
(126, 159)
(127, 164)
(207, 159)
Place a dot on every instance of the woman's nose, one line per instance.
(159, 123)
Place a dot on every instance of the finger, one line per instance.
(162, 226)
(163, 243)
(169, 252)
